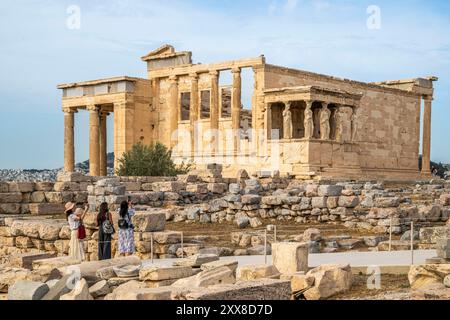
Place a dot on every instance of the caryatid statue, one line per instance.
(325, 122)
(288, 130)
(309, 122)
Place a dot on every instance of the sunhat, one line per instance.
(69, 206)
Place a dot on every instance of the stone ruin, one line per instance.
(34, 243)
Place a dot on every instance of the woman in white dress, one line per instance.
(75, 218)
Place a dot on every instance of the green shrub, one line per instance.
(154, 160)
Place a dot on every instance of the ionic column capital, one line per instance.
(194, 76)
(69, 110)
(173, 79)
(93, 108)
(214, 73)
(236, 70)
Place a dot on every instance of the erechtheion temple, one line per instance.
(299, 123)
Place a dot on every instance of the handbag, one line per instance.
(81, 232)
(108, 227)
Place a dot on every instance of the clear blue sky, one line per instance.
(39, 51)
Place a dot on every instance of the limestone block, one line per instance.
(200, 188)
(88, 269)
(262, 289)
(62, 246)
(169, 186)
(65, 232)
(61, 287)
(129, 271)
(10, 208)
(217, 188)
(444, 199)
(301, 281)
(46, 208)
(373, 241)
(50, 230)
(15, 197)
(422, 275)
(150, 221)
(53, 197)
(254, 272)
(21, 186)
(329, 280)
(80, 292)
(166, 237)
(251, 199)
(164, 273)
(124, 288)
(66, 186)
(206, 278)
(311, 234)
(348, 202)
(99, 289)
(430, 235)
(311, 190)
(25, 260)
(319, 202)
(4, 187)
(443, 248)
(430, 213)
(25, 228)
(5, 232)
(71, 177)
(396, 245)
(387, 202)
(44, 186)
(329, 190)
(231, 264)
(196, 260)
(38, 197)
(290, 257)
(27, 290)
(162, 293)
(24, 242)
(9, 276)
(7, 241)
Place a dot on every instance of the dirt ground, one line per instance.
(392, 287)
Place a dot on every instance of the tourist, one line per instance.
(126, 229)
(105, 232)
(75, 219)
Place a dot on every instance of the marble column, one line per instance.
(214, 110)
(426, 142)
(174, 112)
(69, 140)
(194, 113)
(236, 105)
(103, 145)
(309, 120)
(287, 121)
(94, 140)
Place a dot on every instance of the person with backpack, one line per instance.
(126, 229)
(105, 232)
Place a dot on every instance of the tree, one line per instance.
(154, 160)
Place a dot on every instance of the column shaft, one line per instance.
(69, 140)
(94, 141)
(103, 145)
(194, 112)
(426, 142)
(236, 104)
(214, 110)
(268, 122)
(174, 113)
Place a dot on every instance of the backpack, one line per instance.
(108, 227)
(125, 223)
